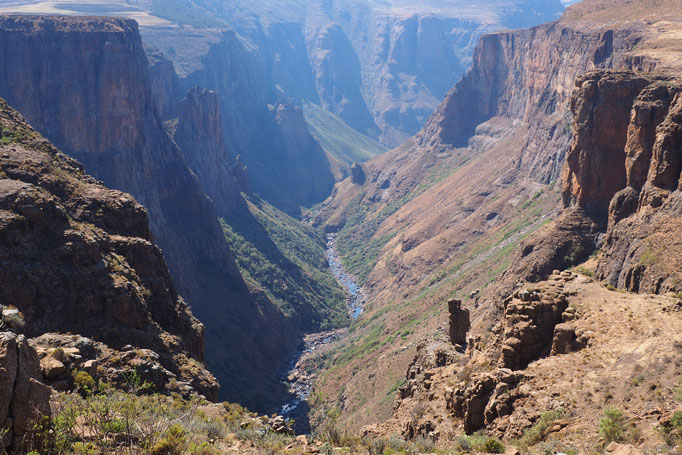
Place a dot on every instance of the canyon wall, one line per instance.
(624, 168)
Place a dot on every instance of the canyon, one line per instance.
(507, 275)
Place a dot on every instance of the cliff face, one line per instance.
(78, 257)
(285, 164)
(198, 133)
(637, 188)
(104, 115)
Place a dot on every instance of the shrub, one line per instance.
(612, 425)
(173, 442)
(539, 431)
(83, 381)
(672, 431)
(493, 445)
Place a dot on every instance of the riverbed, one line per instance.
(298, 374)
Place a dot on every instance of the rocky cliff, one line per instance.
(105, 116)
(198, 133)
(79, 258)
(631, 184)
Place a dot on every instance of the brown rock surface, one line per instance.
(530, 318)
(595, 165)
(24, 398)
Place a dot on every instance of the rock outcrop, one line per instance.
(357, 174)
(78, 257)
(532, 325)
(486, 397)
(24, 399)
(459, 322)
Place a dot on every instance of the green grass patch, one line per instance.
(337, 138)
(286, 259)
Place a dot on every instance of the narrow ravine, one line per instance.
(297, 375)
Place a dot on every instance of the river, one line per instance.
(298, 375)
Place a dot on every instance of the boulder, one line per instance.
(52, 367)
(622, 449)
(563, 338)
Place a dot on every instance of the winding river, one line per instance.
(297, 374)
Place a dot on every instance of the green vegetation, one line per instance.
(286, 259)
(584, 270)
(480, 442)
(114, 422)
(540, 430)
(338, 139)
(613, 425)
(358, 244)
(672, 431)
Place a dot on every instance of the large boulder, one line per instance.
(24, 398)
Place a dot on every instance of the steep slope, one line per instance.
(442, 215)
(276, 254)
(78, 258)
(105, 116)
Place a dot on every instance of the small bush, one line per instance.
(493, 445)
(612, 425)
(539, 431)
(672, 431)
(83, 381)
(173, 442)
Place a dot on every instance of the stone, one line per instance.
(52, 368)
(615, 448)
(562, 341)
(459, 322)
(25, 398)
(90, 366)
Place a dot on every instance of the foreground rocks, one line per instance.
(24, 398)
